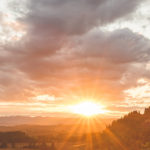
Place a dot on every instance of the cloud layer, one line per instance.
(64, 53)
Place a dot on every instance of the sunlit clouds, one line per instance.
(11, 29)
(44, 98)
(58, 53)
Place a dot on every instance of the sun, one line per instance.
(87, 108)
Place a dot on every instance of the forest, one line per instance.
(132, 132)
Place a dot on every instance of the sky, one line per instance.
(57, 53)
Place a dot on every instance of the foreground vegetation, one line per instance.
(131, 132)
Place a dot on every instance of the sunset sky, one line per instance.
(55, 54)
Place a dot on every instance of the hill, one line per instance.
(132, 132)
(46, 126)
(43, 121)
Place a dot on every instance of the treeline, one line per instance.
(132, 132)
(15, 137)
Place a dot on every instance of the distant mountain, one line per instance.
(46, 126)
(27, 120)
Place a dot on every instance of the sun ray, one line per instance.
(72, 131)
(82, 130)
(89, 136)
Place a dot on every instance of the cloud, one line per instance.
(65, 54)
(102, 64)
(51, 23)
(119, 46)
(75, 17)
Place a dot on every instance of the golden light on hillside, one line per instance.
(87, 108)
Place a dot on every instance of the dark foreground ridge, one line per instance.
(132, 132)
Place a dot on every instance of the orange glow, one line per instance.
(87, 108)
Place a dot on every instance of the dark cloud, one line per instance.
(51, 23)
(120, 46)
(74, 17)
